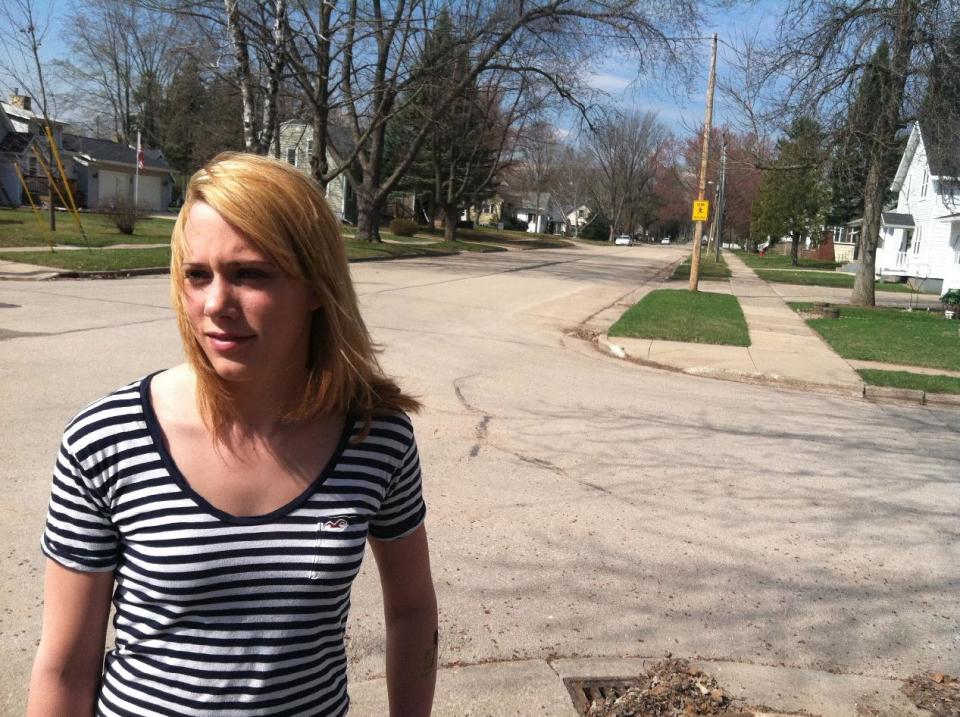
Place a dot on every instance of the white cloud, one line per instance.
(607, 81)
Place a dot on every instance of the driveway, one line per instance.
(578, 505)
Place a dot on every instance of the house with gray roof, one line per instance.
(920, 237)
(97, 170)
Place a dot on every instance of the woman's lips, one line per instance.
(227, 342)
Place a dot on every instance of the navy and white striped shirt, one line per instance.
(219, 614)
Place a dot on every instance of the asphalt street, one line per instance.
(579, 506)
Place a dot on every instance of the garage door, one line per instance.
(112, 184)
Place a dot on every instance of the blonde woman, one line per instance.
(223, 505)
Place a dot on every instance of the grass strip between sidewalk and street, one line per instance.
(908, 338)
(781, 261)
(822, 278)
(679, 315)
(155, 258)
(710, 268)
(915, 381)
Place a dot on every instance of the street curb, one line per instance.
(910, 395)
(899, 395)
(877, 394)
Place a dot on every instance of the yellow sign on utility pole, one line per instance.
(701, 210)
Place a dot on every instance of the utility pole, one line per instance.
(721, 197)
(704, 152)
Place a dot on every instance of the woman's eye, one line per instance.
(195, 275)
(249, 274)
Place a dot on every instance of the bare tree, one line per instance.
(624, 151)
(570, 183)
(122, 58)
(23, 29)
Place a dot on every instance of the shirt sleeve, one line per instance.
(79, 533)
(402, 510)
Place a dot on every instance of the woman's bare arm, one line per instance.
(410, 610)
(66, 671)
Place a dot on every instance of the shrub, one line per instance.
(951, 298)
(514, 224)
(124, 213)
(596, 230)
(403, 227)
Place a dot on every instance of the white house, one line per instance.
(920, 238)
(296, 146)
(539, 211)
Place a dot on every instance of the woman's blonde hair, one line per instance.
(284, 214)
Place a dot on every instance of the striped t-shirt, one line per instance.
(218, 614)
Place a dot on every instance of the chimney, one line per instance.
(18, 100)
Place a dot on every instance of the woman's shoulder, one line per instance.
(121, 405)
(103, 416)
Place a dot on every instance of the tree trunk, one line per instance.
(611, 235)
(450, 218)
(794, 249)
(864, 284)
(368, 215)
(883, 138)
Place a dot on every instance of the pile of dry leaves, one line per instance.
(669, 688)
(936, 692)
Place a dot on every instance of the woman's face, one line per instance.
(251, 319)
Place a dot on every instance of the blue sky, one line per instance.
(680, 108)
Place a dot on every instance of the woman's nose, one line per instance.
(219, 299)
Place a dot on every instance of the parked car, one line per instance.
(623, 240)
(665, 240)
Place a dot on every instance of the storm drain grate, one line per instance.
(583, 691)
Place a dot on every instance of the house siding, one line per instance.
(921, 197)
(295, 144)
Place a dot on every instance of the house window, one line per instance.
(292, 156)
(310, 148)
(32, 168)
(955, 243)
(916, 240)
(923, 185)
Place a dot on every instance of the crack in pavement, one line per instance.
(8, 334)
(480, 430)
(95, 298)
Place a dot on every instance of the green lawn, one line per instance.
(916, 381)
(21, 228)
(94, 260)
(674, 315)
(910, 338)
(709, 268)
(823, 278)
(505, 237)
(778, 261)
(122, 259)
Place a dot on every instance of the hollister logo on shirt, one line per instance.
(335, 525)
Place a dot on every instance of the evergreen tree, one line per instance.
(200, 118)
(939, 113)
(458, 161)
(794, 195)
(183, 109)
(850, 163)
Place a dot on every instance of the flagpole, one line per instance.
(136, 176)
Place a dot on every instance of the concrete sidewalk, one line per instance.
(536, 687)
(783, 350)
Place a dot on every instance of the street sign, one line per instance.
(701, 209)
